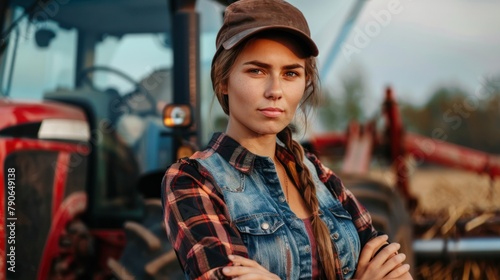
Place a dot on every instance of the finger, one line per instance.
(399, 271)
(242, 261)
(380, 262)
(380, 249)
(257, 277)
(392, 264)
(234, 271)
(371, 247)
(385, 254)
(406, 276)
(245, 272)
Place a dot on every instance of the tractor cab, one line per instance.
(83, 89)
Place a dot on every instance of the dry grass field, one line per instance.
(454, 204)
(439, 190)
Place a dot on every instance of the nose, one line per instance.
(274, 90)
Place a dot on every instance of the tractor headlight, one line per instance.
(177, 115)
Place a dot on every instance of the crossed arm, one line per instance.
(387, 264)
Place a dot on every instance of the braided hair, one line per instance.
(307, 189)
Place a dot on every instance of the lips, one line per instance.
(271, 112)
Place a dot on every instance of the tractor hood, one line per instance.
(47, 120)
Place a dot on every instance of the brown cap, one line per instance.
(244, 18)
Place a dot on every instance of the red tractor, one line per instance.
(81, 163)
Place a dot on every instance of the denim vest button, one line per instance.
(336, 236)
(307, 248)
(264, 226)
(282, 198)
(345, 270)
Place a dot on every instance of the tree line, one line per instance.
(453, 114)
(470, 119)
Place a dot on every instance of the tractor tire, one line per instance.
(388, 210)
(148, 254)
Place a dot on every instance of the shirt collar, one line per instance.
(241, 158)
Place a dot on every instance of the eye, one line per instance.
(255, 71)
(292, 74)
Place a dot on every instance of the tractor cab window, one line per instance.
(39, 58)
(137, 55)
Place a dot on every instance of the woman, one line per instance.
(253, 205)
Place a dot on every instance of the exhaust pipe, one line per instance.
(483, 247)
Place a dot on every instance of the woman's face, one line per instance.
(265, 85)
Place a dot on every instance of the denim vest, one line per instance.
(275, 237)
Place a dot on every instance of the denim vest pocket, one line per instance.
(339, 212)
(259, 224)
(233, 181)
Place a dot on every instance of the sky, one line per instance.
(415, 46)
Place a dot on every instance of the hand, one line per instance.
(387, 264)
(244, 268)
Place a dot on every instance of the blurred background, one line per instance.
(439, 60)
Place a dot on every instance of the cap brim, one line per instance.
(238, 38)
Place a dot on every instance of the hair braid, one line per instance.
(307, 188)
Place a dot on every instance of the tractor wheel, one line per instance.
(388, 211)
(148, 254)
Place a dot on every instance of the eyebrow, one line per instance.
(267, 66)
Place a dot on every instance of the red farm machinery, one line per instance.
(471, 250)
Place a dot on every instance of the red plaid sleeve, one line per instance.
(197, 222)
